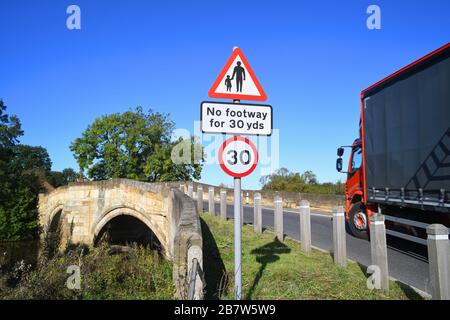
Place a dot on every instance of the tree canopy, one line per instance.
(58, 179)
(134, 145)
(285, 180)
(19, 184)
(23, 169)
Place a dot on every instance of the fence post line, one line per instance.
(223, 204)
(257, 213)
(339, 244)
(439, 261)
(200, 199)
(378, 248)
(211, 202)
(305, 226)
(190, 190)
(278, 219)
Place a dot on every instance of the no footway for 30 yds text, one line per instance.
(236, 118)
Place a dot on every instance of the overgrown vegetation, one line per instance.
(284, 180)
(137, 274)
(275, 270)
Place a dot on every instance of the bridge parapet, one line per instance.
(187, 242)
(83, 209)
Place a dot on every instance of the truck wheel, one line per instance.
(358, 222)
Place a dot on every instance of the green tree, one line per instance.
(21, 167)
(58, 179)
(284, 180)
(31, 159)
(134, 145)
(309, 177)
(10, 128)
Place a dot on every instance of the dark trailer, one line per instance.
(406, 136)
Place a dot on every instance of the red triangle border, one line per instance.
(213, 94)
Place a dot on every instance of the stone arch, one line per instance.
(57, 209)
(129, 211)
(56, 231)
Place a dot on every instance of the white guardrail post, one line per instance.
(242, 208)
(439, 261)
(211, 203)
(378, 248)
(200, 199)
(257, 213)
(278, 217)
(305, 226)
(223, 204)
(339, 241)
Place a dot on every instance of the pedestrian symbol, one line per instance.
(237, 80)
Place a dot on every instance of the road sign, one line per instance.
(233, 118)
(238, 157)
(237, 80)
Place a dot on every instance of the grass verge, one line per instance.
(276, 270)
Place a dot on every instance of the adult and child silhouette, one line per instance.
(239, 72)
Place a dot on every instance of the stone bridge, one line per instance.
(84, 209)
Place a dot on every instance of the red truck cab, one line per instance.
(357, 215)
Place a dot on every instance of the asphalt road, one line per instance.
(407, 260)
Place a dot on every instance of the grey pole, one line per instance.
(439, 261)
(257, 213)
(190, 190)
(223, 204)
(200, 199)
(339, 245)
(305, 226)
(378, 248)
(211, 205)
(278, 223)
(238, 220)
(237, 239)
(182, 188)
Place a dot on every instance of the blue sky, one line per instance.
(311, 57)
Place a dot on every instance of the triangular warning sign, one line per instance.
(237, 80)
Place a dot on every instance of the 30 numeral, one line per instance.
(244, 157)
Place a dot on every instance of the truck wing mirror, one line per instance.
(340, 152)
(339, 164)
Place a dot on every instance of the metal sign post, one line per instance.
(237, 240)
(237, 236)
(238, 156)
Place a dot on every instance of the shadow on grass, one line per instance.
(265, 255)
(407, 290)
(216, 276)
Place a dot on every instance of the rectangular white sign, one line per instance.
(236, 118)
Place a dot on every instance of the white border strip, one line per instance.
(438, 236)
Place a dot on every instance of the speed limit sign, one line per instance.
(238, 157)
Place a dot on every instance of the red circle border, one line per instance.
(228, 171)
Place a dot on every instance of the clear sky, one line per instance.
(312, 58)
